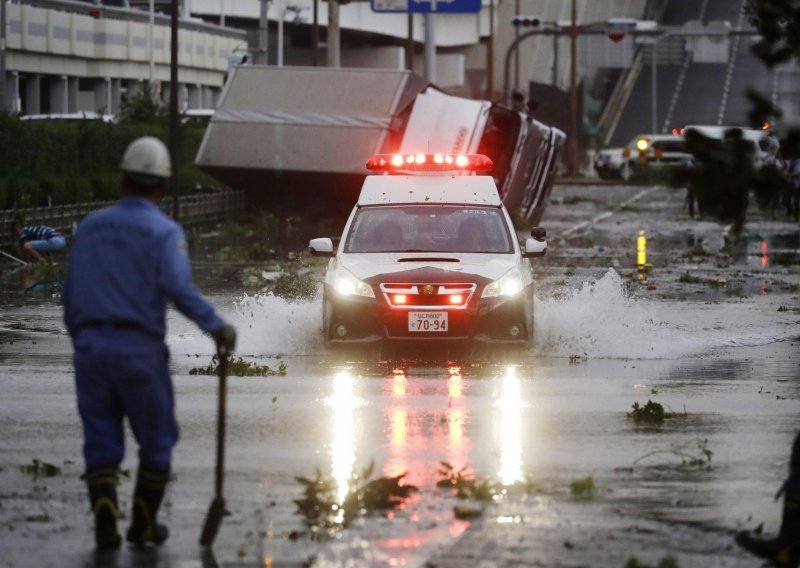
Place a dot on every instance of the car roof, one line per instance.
(433, 189)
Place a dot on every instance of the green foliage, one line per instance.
(778, 22)
(666, 562)
(583, 488)
(691, 454)
(366, 495)
(143, 109)
(61, 162)
(650, 413)
(467, 485)
(39, 469)
(296, 286)
(241, 368)
(687, 278)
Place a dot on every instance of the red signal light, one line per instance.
(456, 299)
(400, 299)
(430, 162)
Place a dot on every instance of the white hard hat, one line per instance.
(147, 156)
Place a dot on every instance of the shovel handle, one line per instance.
(219, 476)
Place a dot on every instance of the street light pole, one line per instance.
(3, 88)
(572, 148)
(430, 48)
(173, 107)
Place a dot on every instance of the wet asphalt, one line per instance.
(711, 333)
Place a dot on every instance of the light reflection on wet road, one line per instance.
(730, 360)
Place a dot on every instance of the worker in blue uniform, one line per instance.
(782, 550)
(127, 263)
(37, 241)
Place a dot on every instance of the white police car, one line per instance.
(429, 257)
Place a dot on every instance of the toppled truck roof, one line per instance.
(436, 189)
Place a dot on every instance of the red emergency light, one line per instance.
(429, 162)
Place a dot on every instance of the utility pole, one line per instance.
(263, 34)
(4, 106)
(516, 53)
(315, 35)
(152, 64)
(173, 107)
(572, 139)
(334, 37)
(410, 43)
(490, 55)
(430, 47)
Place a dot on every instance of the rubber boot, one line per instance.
(783, 550)
(150, 486)
(102, 485)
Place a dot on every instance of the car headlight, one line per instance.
(508, 285)
(348, 285)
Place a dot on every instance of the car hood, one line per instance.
(484, 266)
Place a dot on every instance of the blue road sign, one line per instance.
(427, 7)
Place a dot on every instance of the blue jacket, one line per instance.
(128, 261)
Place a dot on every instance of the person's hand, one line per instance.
(225, 337)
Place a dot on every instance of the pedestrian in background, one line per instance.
(783, 550)
(793, 196)
(127, 262)
(37, 242)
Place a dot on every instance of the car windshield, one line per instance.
(426, 228)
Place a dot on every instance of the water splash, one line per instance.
(603, 321)
(600, 319)
(266, 325)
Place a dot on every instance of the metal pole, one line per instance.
(281, 16)
(507, 66)
(263, 30)
(410, 43)
(572, 139)
(222, 13)
(3, 88)
(430, 48)
(152, 70)
(555, 60)
(173, 107)
(315, 35)
(334, 36)
(516, 54)
(653, 89)
(490, 55)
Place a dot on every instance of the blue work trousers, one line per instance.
(124, 373)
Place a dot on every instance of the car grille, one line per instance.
(428, 296)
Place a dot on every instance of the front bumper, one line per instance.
(485, 321)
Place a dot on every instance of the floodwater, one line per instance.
(712, 333)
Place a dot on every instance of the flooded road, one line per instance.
(711, 333)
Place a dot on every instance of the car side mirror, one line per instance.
(321, 247)
(539, 233)
(535, 248)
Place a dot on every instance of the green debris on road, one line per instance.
(241, 368)
(39, 469)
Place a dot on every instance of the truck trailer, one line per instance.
(297, 139)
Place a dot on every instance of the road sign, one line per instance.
(427, 7)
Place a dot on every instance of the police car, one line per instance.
(429, 257)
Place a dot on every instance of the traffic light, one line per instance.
(526, 21)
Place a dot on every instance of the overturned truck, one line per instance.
(297, 138)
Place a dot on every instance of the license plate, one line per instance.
(427, 321)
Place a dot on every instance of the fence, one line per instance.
(192, 209)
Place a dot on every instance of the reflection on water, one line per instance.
(509, 404)
(343, 446)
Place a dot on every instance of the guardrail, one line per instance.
(192, 209)
(131, 15)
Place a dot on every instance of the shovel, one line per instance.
(217, 509)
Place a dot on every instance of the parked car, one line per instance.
(643, 151)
